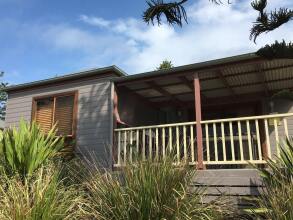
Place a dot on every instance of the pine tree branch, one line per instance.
(174, 12)
(277, 50)
(267, 22)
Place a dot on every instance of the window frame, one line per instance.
(54, 96)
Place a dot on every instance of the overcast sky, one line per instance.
(41, 39)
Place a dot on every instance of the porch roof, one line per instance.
(246, 77)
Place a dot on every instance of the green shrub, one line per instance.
(148, 190)
(277, 197)
(42, 196)
(26, 148)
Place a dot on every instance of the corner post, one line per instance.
(197, 99)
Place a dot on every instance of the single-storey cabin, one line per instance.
(217, 115)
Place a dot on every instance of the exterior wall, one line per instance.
(94, 117)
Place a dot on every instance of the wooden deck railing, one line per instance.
(225, 141)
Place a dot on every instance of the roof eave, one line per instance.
(72, 76)
(201, 65)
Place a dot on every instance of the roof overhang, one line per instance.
(73, 76)
(238, 78)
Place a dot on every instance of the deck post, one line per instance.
(197, 99)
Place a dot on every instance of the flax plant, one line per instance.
(24, 149)
(277, 198)
(148, 190)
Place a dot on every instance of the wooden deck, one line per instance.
(233, 141)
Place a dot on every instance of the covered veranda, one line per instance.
(224, 112)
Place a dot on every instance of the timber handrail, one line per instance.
(207, 121)
(156, 126)
(229, 141)
(249, 118)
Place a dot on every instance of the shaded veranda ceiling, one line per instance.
(231, 82)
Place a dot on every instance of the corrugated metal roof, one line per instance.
(230, 76)
(149, 93)
(202, 67)
(177, 89)
(225, 81)
(242, 79)
(217, 93)
(286, 84)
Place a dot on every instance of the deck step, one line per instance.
(238, 185)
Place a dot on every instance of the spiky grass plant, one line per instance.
(148, 190)
(277, 198)
(43, 195)
(26, 148)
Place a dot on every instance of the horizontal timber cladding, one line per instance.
(93, 115)
(237, 184)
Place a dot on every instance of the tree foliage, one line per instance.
(279, 50)
(266, 21)
(3, 98)
(173, 11)
(166, 64)
(269, 21)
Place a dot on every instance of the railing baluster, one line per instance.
(150, 144)
(125, 149)
(163, 142)
(170, 140)
(223, 141)
(184, 143)
(143, 144)
(240, 140)
(249, 140)
(177, 144)
(268, 141)
(215, 141)
(207, 142)
(130, 149)
(232, 141)
(286, 127)
(258, 140)
(137, 143)
(157, 144)
(119, 148)
(277, 136)
(192, 143)
(153, 141)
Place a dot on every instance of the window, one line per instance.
(58, 109)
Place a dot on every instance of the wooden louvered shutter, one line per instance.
(44, 113)
(64, 114)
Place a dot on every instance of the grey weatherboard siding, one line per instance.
(94, 117)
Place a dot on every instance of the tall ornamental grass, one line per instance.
(41, 196)
(26, 148)
(148, 190)
(277, 198)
